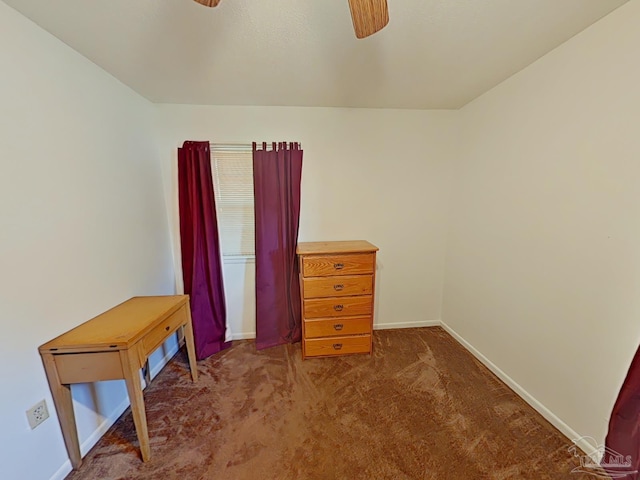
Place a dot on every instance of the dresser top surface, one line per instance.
(122, 325)
(348, 246)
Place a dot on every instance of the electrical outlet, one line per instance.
(37, 414)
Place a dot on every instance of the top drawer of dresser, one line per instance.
(337, 264)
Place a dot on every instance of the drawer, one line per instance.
(321, 347)
(338, 306)
(89, 367)
(159, 334)
(331, 327)
(341, 286)
(343, 264)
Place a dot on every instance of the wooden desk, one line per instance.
(112, 346)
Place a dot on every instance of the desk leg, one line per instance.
(187, 331)
(130, 367)
(64, 407)
(147, 373)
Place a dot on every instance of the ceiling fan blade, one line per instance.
(208, 3)
(369, 16)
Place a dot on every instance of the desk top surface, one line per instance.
(119, 327)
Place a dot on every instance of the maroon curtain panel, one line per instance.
(623, 437)
(277, 174)
(201, 261)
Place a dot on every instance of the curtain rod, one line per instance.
(243, 146)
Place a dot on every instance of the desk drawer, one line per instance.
(341, 286)
(337, 306)
(343, 264)
(88, 367)
(332, 327)
(160, 333)
(322, 347)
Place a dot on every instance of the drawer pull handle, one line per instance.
(338, 266)
(167, 327)
(337, 346)
(338, 326)
(338, 308)
(338, 287)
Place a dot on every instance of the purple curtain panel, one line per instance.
(201, 261)
(277, 174)
(623, 437)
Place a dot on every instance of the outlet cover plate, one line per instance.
(37, 414)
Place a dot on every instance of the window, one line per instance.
(232, 167)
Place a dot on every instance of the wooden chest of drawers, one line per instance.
(337, 283)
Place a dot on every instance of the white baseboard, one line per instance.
(164, 360)
(377, 326)
(566, 430)
(62, 472)
(423, 323)
(111, 418)
(243, 336)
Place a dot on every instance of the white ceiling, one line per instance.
(433, 54)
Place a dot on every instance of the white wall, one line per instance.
(543, 260)
(82, 227)
(542, 267)
(377, 175)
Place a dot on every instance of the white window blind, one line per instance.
(232, 167)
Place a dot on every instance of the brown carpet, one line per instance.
(421, 407)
